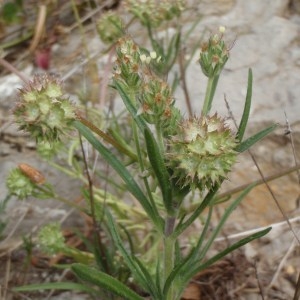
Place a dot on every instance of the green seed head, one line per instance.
(213, 56)
(155, 12)
(110, 27)
(48, 150)
(127, 66)
(19, 184)
(42, 109)
(157, 105)
(202, 152)
(51, 239)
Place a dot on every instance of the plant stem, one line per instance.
(169, 253)
(106, 137)
(209, 95)
(159, 136)
(51, 194)
(184, 84)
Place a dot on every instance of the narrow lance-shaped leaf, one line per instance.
(206, 201)
(139, 273)
(190, 259)
(93, 276)
(160, 170)
(173, 49)
(130, 107)
(223, 219)
(199, 267)
(68, 286)
(131, 184)
(245, 145)
(196, 254)
(246, 112)
(115, 143)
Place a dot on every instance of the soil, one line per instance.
(265, 269)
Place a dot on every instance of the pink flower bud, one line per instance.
(42, 58)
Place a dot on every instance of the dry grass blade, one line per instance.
(281, 264)
(184, 84)
(39, 28)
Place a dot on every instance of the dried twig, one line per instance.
(12, 69)
(184, 85)
(281, 264)
(97, 236)
(289, 132)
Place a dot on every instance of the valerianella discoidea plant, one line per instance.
(195, 153)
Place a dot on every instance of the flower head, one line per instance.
(51, 239)
(128, 62)
(155, 12)
(19, 184)
(152, 96)
(202, 152)
(42, 109)
(222, 29)
(157, 105)
(110, 27)
(48, 150)
(214, 55)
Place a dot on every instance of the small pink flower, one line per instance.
(42, 58)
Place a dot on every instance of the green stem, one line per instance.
(79, 256)
(159, 135)
(149, 30)
(169, 254)
(209, 95)
(51, 194)
(106, 137)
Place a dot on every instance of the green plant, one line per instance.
(11, 11)
(152, 15)
(170, 157)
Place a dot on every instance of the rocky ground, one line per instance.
(265, 36)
